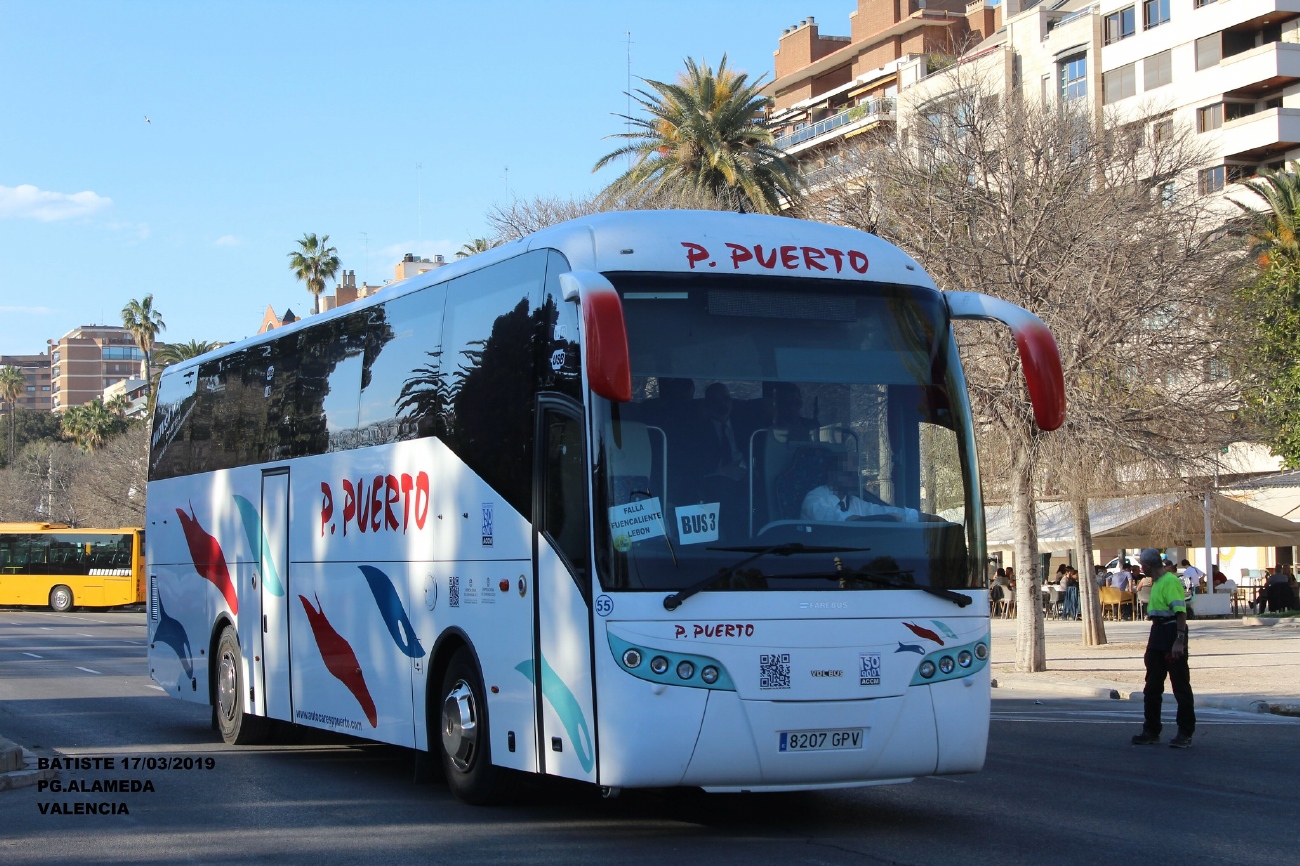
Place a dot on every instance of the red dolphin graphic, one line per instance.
(339, 658)
(921, 631)
(208, 558)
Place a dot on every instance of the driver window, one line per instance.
(564, 491)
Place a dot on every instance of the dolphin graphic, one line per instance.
(339, 658)
(944, 628)
(172, 633)
(909, 648)
(257, 541)
(566, 706)
(922, 631)
(390, 608)
(208, 559)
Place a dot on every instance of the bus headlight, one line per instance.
(632, 658)
(926, 669)
(709, 674)
(981, 651)
(685, 670)
(658, 664)
(946, 664)
(964, 658)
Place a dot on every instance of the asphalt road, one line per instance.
(1062, 785)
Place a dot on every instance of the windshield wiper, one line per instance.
(675, 600)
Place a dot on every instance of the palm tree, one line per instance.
(174, 353)
(704, 134)
(478, 245)
(143, 322)
(314, 262)
(91, 425)
(12, 384)
(1275, 232)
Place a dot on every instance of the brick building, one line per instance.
(86, 360)
(36, 369)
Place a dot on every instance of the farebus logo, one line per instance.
(385, 503)
(790, 258)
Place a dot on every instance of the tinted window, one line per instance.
(170, 446)
(560, 365)
(402, 395)
(486, 373)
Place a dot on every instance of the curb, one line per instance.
(1031, 683)
(1242, 704)
(1271, 621)
(18, 767)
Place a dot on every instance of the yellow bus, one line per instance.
(50, 563)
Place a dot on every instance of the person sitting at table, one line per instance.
(1122, 579)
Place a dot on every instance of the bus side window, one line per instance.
(564, 492)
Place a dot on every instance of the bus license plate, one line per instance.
(821, 741)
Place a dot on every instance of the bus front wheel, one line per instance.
(237, 727)
(463, 729)
(61, 598)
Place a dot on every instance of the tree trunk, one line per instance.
(1031, 652)
(1094, 630)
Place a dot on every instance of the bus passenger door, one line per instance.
(274, 573)
(562, 669)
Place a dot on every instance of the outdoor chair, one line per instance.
(1111, 597)
(1143, 599)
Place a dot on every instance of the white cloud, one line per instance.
(29, 202)
(227, 241)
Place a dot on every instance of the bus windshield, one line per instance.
(786, 434)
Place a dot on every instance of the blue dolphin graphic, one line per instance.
(909, 648)
(390, 608)
(257, 541)
(172, 633)
(566, 706)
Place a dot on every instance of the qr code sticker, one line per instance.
(774, 670)
(453, 591)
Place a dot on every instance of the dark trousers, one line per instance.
(1180, 681)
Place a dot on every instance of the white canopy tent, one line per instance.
(1156, 520)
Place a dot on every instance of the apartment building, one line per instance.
(36, 369)
(1230, 69)
(88, 359)
(828, 89)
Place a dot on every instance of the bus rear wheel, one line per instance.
(237, 727)
(464, 736)
(61, 598)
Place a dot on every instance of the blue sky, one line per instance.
(271, 119)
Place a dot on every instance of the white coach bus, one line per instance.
(643, 499)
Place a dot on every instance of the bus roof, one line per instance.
(62, 529)
(672, 241)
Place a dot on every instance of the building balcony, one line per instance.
(842, 125)
(1257, 71)
(1261, 136)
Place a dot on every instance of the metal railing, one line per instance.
(871, 108)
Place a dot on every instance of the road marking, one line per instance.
(159, 688)
(34, 655)
(134, 642)
(88, 670)
(83, 634)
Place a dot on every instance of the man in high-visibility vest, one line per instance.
(1166, 655)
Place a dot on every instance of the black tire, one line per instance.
(237, 728)
(61, 599)
(463, 738)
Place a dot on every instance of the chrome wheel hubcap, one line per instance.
(226, 686)
(460, 725)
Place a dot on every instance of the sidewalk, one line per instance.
(1234, 665)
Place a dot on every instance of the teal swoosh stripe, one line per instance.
(566, 706)
(257, 541)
